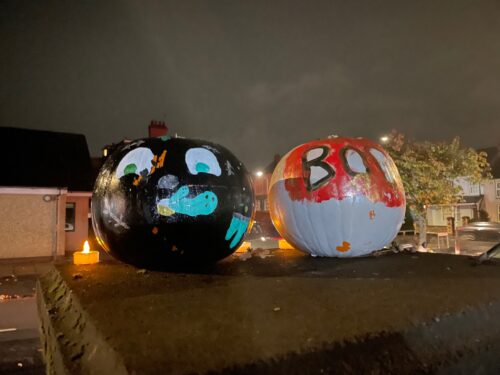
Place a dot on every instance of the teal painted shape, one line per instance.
(202, 168)
(203, 204)
(237, 228)
(164, 137)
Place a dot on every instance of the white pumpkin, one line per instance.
(339, 197)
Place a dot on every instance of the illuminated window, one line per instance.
(498, 212)
(70, 217)
(498, 189)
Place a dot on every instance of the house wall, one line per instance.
(492, 199)
(61, 213)
(468, 188)
(466, 211)
(29, 225)
(437, 215)
(75, 238)
(260, 189)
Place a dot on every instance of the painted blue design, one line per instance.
(203, 204)
(202, 168)
(164, 137)
(237, 228)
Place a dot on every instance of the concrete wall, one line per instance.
(75, 239)
(30, 222)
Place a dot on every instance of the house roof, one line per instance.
(471, 199)
(493, 159)
(44, 159)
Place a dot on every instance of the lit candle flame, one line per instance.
(86, 247)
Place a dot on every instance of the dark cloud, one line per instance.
(260, 76)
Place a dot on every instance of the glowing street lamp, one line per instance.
(384, 139)
(259, 173)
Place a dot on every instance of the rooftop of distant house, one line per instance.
(40, 158)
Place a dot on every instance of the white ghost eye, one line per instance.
(354, 161)
(135, 162)
(385, 164)
(315, 153)
(201, 160)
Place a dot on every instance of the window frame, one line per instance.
(70, 205)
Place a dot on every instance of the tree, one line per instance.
(429, 169)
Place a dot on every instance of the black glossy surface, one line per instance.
(164, 213)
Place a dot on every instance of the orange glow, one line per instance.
(284, 245)
(86, 256)
(245, 245)
(102, 243)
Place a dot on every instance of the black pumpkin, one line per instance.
(160, 202)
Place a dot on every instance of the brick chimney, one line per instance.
(157, 128)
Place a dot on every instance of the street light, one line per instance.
(384, 139)
(259, 173)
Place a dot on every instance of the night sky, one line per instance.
(259, 77)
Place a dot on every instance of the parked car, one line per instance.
(477, 238)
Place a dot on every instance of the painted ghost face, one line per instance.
(163, 201)
(337, 197)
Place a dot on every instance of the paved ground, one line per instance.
(20, 349)
(278, 312)
(24, 267)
